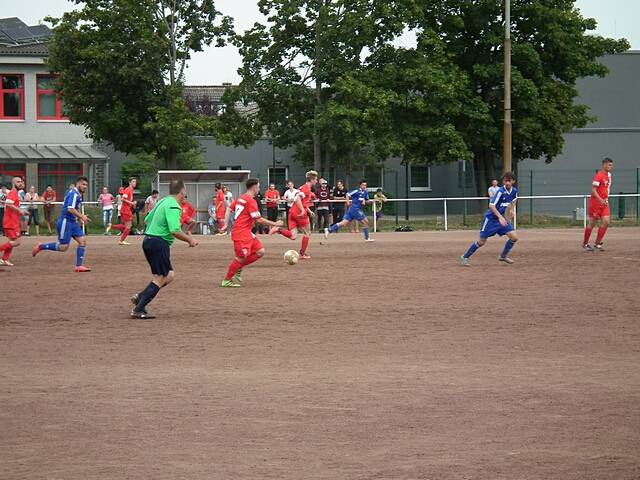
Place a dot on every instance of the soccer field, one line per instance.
(385, 360)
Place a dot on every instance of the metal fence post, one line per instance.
(397, 196)
(584, 211)
(638, 197)
(375, 220)
(446, 222)
(531, 200)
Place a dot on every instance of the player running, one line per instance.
(163, 227)
(70, 225)
(599, 206)
(358, 198)
(11, 221)
(299, 213)
(494, 222)
(126, 212)
(248, 248)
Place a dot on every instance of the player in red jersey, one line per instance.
(11, 221)
(299, 214)
(126, 212)
(188, 216)
(248, 248)
(220, 205)
(599, 206)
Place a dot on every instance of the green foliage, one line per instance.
(121, 65)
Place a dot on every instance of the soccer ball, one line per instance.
(291, 257)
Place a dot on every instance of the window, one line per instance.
(373, 176)
(11, 97)
(227, 167)
(278, 175)
(58, 175)
(10, 170)
(50, 105)
(420, 178)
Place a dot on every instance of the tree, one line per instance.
(121, 67)
(552, 49)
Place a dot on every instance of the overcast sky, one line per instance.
(616, 18)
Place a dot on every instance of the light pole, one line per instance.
(507, 86)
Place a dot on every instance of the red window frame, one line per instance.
(59, 173)
(13, 173)
(12, 90)
(48, 91)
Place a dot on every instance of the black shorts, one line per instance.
(158, 253)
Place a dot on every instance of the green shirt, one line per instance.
(164, 219)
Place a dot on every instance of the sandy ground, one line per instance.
(371, 361)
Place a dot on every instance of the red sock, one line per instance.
(285, 233)
(305, 244)
(601, 232)
(4, 246)
(250, 259)
(125, 234)
(119, 226)
(587, 235)
(234, 266)
(7, 252)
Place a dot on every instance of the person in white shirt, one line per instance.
(151, 201)
(289, 197)
(493, 189)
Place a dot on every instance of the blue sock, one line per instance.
(507, 248)
(49, 246)
(80, 256)
(365, 230)
(334, 228)
(472, 249)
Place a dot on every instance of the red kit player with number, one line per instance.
(599, 206)
(11, 222)
(126, 212)
(248, 248)
(299, 214)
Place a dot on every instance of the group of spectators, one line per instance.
(31, 200)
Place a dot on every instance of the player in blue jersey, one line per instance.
(70, 225)
(494, 222)
(359, 199)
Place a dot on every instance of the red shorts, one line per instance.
(297, 222)
(125, 216)
(244, 248)
(597, 210)
(12, 233)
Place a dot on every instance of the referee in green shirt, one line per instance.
(163, 226)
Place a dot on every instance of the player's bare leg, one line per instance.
(6, 249)
(604, 224)
(504, 256)
(464, 259)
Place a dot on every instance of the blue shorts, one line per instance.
(68, 230)
(354, 214)
(491, 227)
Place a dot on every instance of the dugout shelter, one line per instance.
(200, 185)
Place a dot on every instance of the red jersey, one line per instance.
(187, 212)
(11, 219)
(602, 182)
(245, 211)
(271, 198)
(221, 204)
(49, 197)
(306, 195)
(127, 195)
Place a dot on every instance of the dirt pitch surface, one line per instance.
(370, 361)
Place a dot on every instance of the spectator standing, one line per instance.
(379, 198)
(338, 193)
(211, 210)
(105, 200)
(24, 217)
(258, 227)
(3, 198)
(151, 201)
(493, 189)
(33, 198)
(272, 198)
(228, 197)
(322, 210)
(48, 197)
(119, 203)
(289, 197)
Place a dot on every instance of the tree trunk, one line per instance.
(172, 160)
(484, 170)
(317, 147)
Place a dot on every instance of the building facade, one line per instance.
(37, 141)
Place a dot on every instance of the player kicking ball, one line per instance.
(70, 226)
(163, 227)
(359, 198)
(599, 207)
(298, 220)
(248, 249)
(494, 222)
